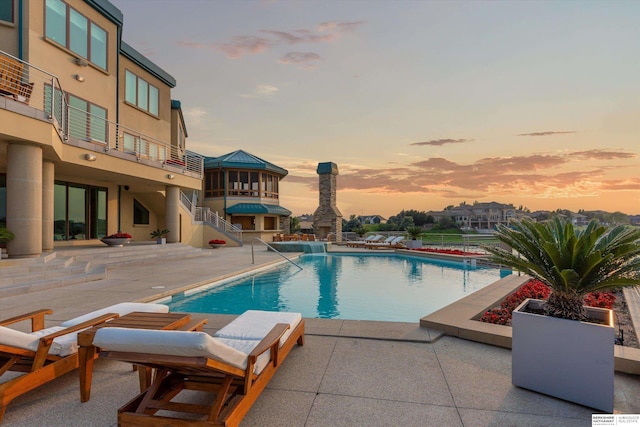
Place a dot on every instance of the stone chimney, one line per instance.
(327, 219)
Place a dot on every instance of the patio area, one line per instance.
(348, 373)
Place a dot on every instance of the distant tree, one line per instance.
(360, 231)
(351, 225)
(294, 224)
(617, 218)
(444, 223)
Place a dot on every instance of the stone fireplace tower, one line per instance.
(327, 219)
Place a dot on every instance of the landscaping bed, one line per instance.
(625, 332)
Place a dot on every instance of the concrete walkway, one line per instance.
(348, 373)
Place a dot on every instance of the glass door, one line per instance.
(80, 212)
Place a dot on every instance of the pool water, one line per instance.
(357, 287)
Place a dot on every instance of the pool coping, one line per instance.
(460, 319)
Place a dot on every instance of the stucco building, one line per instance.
(91, 142)
(245, 190)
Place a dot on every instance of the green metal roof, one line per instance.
(145, 63)
(327, 167)
(257, 208)
(242, 160)
(108, 10)
(177, 105)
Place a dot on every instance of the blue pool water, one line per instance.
(358, 287)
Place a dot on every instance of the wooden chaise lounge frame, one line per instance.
(235, 389)
(39, 366)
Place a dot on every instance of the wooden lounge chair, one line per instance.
(232, 367)
(367, 240)
(47, 353)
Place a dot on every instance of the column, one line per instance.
(24, 199)
(172, 213)
(48, 170)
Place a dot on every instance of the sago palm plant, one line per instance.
(572, 262)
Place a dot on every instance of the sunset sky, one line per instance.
(421, 104)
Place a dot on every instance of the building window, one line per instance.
(140, 214)
(80, 212)
(270, 223)
(69, 28)
(87, 120)
(241, 183)
(140, 93)
(214, 184)
(6, 10)
(3, 200)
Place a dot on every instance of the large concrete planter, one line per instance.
(568, 359)
(116, 242)
(413, 244)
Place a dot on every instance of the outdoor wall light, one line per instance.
(171, 176)
(90, 157)
(79, 78)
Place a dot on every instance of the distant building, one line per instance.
(371, 219)
(480, 216)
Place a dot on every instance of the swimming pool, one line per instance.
(346, 286)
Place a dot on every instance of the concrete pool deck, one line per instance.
(348, 373)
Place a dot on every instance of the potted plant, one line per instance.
(5, 237)
(557, 349)
(217, 243)
(160, 235)
(413, 232)
(118, 239)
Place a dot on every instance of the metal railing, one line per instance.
(208, 216)
(253, 258)
(42, 91)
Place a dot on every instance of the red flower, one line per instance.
(446, 251)
(217, 242)
(119, 235)
(538, 290)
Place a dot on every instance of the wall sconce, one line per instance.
(170, 176)
(79, 78)
(90, 157)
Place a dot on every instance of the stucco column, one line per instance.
(48, 172)
(172, 213)
(24, 199)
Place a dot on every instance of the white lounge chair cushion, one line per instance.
(256, 324)
(18, 339)
(122, 309)
(178, 343)
(61, 346)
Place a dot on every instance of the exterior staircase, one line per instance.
(210, 218)
(70, 266)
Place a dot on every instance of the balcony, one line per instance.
(31, 91)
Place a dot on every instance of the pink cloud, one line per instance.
(439, 142)
(242, 45)
(536, 175)
(547, 133)
(238, 46)
(306, 59)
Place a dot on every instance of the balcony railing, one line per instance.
(41, 90)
